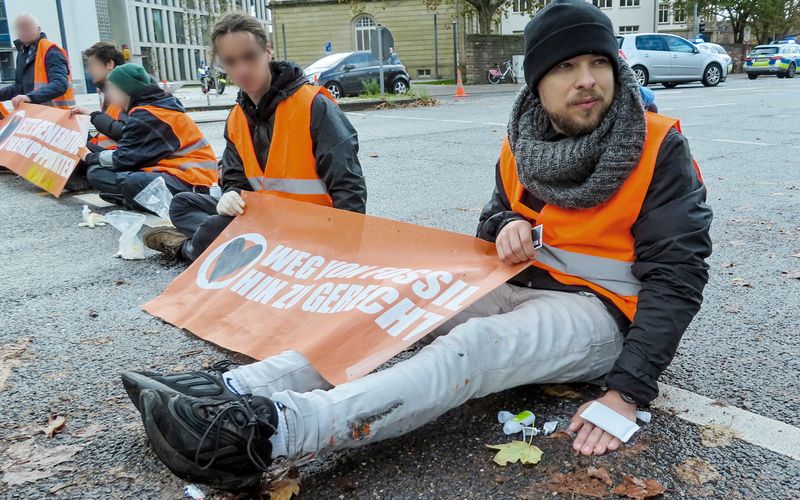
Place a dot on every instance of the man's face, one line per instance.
(245, 61)
(577, 93)
(27, 30)
(117, 97)
(98, 70)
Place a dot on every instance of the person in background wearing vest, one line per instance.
(159, 140)
(619, 278)
(101, 59)
(42, 75)
(284, 137)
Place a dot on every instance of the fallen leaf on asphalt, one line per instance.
(795, 274)
(732, 308)
(516, 451)
(738, 243)
(716, 436)
(120, 282)
(560, 435)
(10, 355)
(696, 471)
(561, 391)
(96, 341)
(633, 487)
(26, 461)
(739, 281)
(373, 155)
(599, 473)
(576, 483)
(730, 264)
(120, 473)
(55, 424)
(285, 488)
(89, 431)
(191, 352)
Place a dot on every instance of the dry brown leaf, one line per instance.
(739, 281)
(716, 436)
(561, 391)
(739, 243)
(600, 473)
(696, 471)
(633, 487)
(25, 461)
(732, 308)
(373, 155)
(575, 483)
(729, 265)
(285, 488)
(55, 424)
(794, 274)
(97, 341)
(560, 435)
(191, 352)
(10, 358)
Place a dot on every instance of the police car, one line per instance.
(780, 59)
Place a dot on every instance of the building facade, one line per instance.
(302, 29)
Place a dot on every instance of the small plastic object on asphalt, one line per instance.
(193, 492)
(610, 421)
(549, 427)
(644, 416)
(128, 224)
(91, 219)
(155, 197)
(513, 424)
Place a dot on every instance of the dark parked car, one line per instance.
(344, 74)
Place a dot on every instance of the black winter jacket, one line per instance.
(671, 243)
(334, 141)
(57, 69)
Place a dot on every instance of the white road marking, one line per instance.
(748, 143)
(773, 435)
(457, 121)
(711, 105)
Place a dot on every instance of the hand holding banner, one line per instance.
(347, 290)
(41, 143)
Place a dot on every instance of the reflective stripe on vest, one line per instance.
(103, 140)
(64, 101)
(593, 247)
(194, 162)
(291, 169)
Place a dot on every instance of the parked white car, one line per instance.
(670, 60)
(713, 48)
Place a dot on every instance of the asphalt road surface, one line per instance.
(730, 427)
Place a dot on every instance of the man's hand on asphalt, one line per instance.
(17, 101)
(79, 110)
(592, 440)
(515, 243)
(230, 204)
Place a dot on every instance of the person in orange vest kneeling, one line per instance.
(284, 137)
(618, 279)
(159, 140)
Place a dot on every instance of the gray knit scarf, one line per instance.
(581, 171)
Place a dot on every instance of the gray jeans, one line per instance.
(513, 336)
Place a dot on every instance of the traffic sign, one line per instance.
(386, 39)
(746, 34)
(328, 48)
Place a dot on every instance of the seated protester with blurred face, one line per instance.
(284, 137)
(618, 279)
(159, 140)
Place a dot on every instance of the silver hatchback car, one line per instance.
(670, 60)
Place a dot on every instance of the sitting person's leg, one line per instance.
(105, 180)
(545, 337)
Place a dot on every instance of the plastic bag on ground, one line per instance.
(155, 197)
(128, 224)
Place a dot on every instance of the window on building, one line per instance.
(520, 6)
(626, 30)
(679, 15)
(180, 30)
(663, 13)
(424, 73)
(363, 28)
(158, 26)
(603, 4)
(629, 3)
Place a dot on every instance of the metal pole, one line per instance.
(696, 22)
(455, 49)
(380, 54)
(61, 25)
(436, 46)
(283, 35)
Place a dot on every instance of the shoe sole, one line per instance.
(134, 383)
(177, 463)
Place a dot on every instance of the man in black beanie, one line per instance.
(620, 209)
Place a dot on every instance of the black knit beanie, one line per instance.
(563, 30)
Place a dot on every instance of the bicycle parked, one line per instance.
(495, 75)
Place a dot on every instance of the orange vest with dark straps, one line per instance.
(291, 169)
(3, 111)
(65, 101)
(103, 140)
(594, 247)
(194, 161)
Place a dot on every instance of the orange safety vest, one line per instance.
(594, 247)
(40, 74)
(291, 169)
(194, 162)
(3, 111)
(103, 140)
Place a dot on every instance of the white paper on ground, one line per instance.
(93, 199)
(610, 421)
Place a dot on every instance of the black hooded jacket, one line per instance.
(333, 138)
(57, 69)
(671, 243)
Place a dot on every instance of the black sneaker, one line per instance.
(224, 444)
(200, 384)
(113, 198)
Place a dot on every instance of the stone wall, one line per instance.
(484, 51)
(737, 52)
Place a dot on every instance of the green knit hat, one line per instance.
(130, 78)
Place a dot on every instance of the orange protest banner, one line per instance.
(348, 291)
(40, 143)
